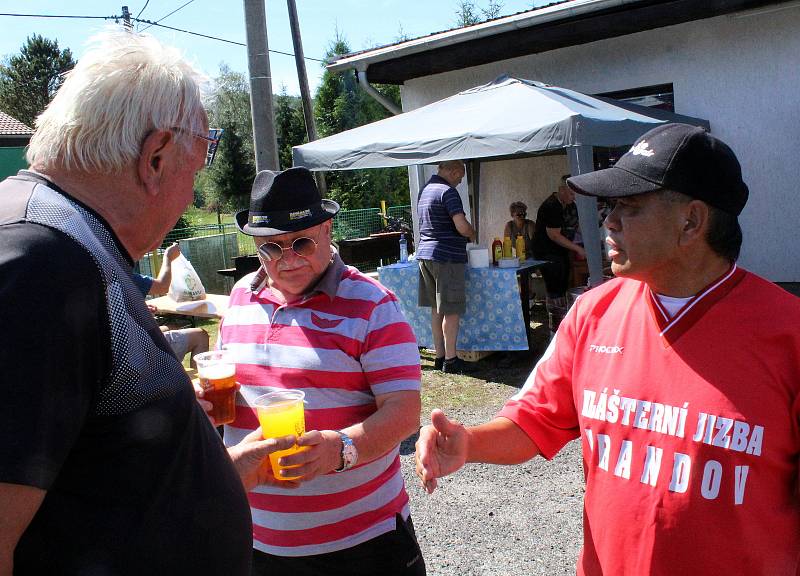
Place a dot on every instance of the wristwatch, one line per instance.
(349, 452)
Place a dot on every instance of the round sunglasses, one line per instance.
(303, 246)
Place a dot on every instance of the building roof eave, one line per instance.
(556, 26)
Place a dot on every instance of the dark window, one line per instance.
(660, 96)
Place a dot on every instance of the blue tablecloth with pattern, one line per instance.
(493, 318)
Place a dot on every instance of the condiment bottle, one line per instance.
(497, 250)
(507, 247)
(520, 248)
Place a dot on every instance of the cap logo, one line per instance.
(299, 214)
(259, 219)
(641, 149)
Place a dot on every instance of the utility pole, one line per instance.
(126, 18)
(305, 96)
(265, 144)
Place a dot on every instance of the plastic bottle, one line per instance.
(507, 247)
(497, 250)
(520, 248)
(403, 249)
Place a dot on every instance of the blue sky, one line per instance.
(363, 23)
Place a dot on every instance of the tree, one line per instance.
(467, 13)
(290, 126)
(29, 80)
(340, 105)
(230, 178)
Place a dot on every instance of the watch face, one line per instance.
(349, 452)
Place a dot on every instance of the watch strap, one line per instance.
(349, 452)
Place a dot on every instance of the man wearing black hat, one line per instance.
(307, 321)
(681, 378)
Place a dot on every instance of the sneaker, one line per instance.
(438, 363)
(457, 366)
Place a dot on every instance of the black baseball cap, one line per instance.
(677, 157)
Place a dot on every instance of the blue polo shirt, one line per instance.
(439, 239)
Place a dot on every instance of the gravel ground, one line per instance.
(499, 520)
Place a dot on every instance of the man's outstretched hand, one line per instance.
(441, 449)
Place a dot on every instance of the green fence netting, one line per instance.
(212, 247)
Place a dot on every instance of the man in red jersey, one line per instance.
(306, 321)
(681, 378)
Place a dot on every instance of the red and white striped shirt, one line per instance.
(344, 344)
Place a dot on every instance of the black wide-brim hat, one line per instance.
(283, 202)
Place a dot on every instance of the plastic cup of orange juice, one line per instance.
(281, 413)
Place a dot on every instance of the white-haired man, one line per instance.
(107, 463)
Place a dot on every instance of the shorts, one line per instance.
(178, 341)
(441, 286)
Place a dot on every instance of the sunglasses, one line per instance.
(214, 135)
(303, 246)
(521, 214)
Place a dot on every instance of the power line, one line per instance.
(151, 23)
(61, 16)
(215, 38)
(168, 15)
(143, 7)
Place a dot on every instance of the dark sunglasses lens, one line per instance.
(270, 251)
(304, 246)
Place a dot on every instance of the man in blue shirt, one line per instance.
(442, 253)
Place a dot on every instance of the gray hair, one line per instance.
(450, 164)
(122, 88)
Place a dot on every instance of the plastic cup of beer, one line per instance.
(280, 413)
(217, 373)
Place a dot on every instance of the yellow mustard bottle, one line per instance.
(507, 247)
(520, 248)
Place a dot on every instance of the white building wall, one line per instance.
(739, 71)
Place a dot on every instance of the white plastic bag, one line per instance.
(185, 285)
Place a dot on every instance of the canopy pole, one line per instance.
(475, 182)
(416, 179)
(581, 160)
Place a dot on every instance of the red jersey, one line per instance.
(690, 426)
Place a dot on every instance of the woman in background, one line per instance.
(519, 225)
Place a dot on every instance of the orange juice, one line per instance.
(280, 413)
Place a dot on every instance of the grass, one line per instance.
(201, 216)
(495, 379)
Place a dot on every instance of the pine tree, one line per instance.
(290, 127)
(340, 105)
(29, 80)
(231, 176)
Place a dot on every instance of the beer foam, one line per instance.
(216, 371)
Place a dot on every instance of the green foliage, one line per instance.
(231, 176)
(341, 105)
(290, 126)
(29, 80)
